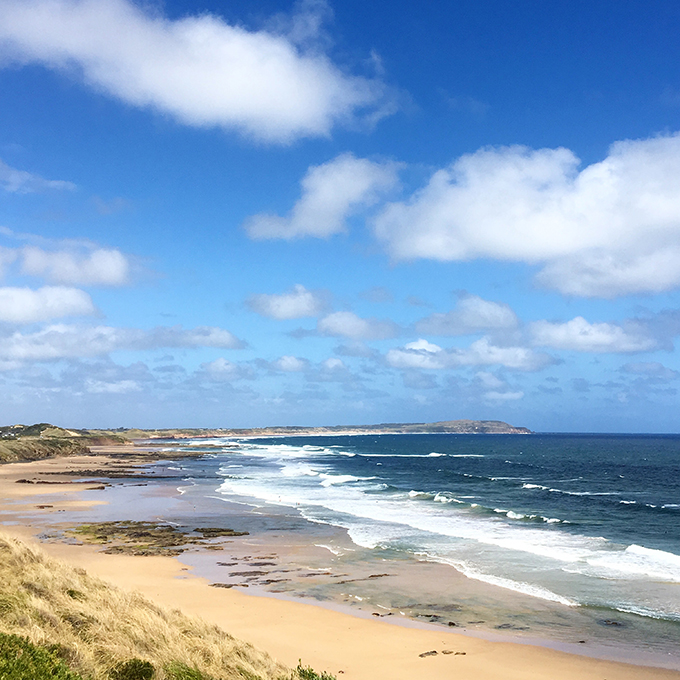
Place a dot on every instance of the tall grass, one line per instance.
(97, 628)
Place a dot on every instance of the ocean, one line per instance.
(559, 536)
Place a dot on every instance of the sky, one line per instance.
(237, 214)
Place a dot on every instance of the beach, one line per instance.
(330, 638)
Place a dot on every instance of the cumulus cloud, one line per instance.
(608, 229)
(333, 364)
(483, 352)
(223, 370)
(581, 336)
(94, 267)
(21, 182)
(199, 69)
(62, 341)
(24, 306)
(330, 194)
(296, 304)
(349, 325)
(290, 364)
(471, 315)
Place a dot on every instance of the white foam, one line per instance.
(335, 551)
(419, 494)
(330, 480)
(636, 561)
(509, 584)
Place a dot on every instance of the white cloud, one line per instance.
(223, 370)
(581, 336)
(422, 345)
(62, 341)
(414, 356)
(349, 325)
(198, 69)
(608, 229)
(490, 381)
(471, 315)
(330, 194)
(296, 304)
(21, 182)
(483, 352)
(99, 266)
(23, 305)
(333, 364)
(425, 355)
(291, 364)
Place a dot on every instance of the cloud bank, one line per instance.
(611, 228)
(422, 354)
(198, 69)
(61, 341)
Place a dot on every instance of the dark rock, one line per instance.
(424, 654)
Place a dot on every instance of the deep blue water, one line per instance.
(579, 519)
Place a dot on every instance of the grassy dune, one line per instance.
(42, 440)
(99, 631)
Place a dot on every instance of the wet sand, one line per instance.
(350, 646)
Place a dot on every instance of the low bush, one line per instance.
(22, 660)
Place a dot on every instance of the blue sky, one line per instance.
(246, 214)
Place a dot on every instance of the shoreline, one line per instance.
(282, 626)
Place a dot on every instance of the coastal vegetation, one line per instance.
(58, 622)
(42, 440)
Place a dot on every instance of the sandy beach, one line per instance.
(348, 646)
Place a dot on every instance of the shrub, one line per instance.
(133, 669)
(22, 660)
(310, 674)
(180, 671)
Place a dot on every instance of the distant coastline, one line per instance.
(43, 440)
(441, 427)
